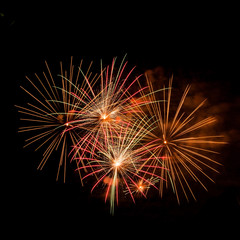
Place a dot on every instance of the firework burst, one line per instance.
(185, 151)
(103, 110)
(49, 112)
(117, 161)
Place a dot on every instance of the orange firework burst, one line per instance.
(185, 151)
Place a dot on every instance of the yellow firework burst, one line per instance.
(50, 111)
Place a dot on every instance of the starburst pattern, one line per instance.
(49, 112)
(124, 137)
(117, 161)
(176, 138)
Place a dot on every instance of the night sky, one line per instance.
(196, 44)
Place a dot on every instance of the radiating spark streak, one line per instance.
(99, 179)
(129, 85)
(92, 173)
(128, 188)
(90, 166)
(119, 73)
(89, 85)
(152, 174)
(131, 96)
(187, 119)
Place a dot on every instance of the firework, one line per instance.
(103, 110)
(116, 163)
(177, 139)
(125, 137)
(74, 107)
(50, 111)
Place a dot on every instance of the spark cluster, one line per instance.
(120, 134)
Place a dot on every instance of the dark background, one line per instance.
(194, 42)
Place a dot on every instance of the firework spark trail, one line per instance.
(117, 163)
(184, 151)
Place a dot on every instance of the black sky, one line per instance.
(193, 42)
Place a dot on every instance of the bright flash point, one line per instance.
(165, 142)
(66, 124)
(116, 163)
(104, 116)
